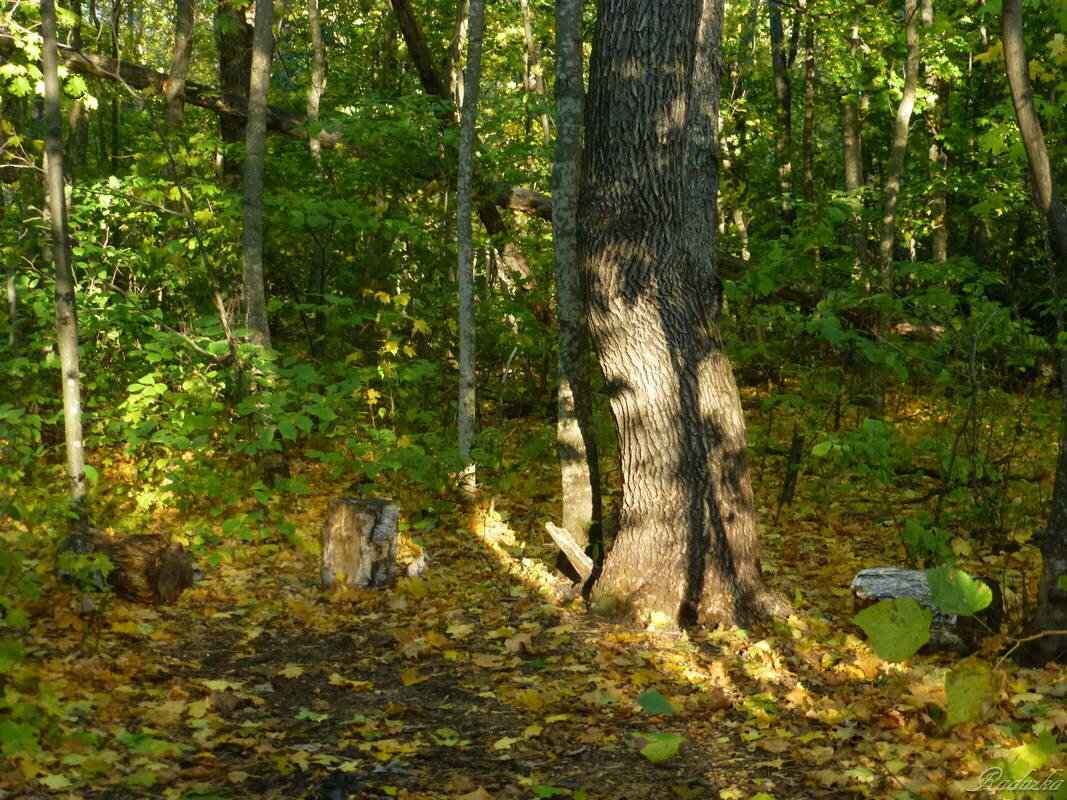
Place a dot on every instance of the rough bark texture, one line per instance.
(853, 154)
(960, 634)
(66, 307)
(359, 543)
(234, 40)
(179, 63)
(471, 78)
(148, 568)
(575, 438)
(318, 71)
(1051, 613)
(687, 546)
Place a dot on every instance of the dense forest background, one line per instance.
(889, 282)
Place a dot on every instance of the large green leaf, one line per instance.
(967, 686)
(896, 628)
(661, 746)
(956, 592)
(654, 703)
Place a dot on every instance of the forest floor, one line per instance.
(472, 683)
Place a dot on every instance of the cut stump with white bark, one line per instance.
(960, 634)
(359, 543)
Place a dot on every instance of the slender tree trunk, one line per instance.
(783, 130)
(937, 91)
(1051, 613)
(467, 390)
(184, 11)
(686, 552)
(116, 15)
(455, 52)
(736, 168)
(255, 151)
(271, 462)
(535, 81)
(318, 72)
(853, 155)
(894, 175)
(435, 83)
(234, 41)
(575, 438)
(66, 307)
(807, 147)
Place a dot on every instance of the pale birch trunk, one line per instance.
(317, 86)
(575, 439)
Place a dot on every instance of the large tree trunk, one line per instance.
(575, 439)
(471, 78)
(1051, 614)
(184, 11)
(234, 40)
(66, 308)
(686, 550)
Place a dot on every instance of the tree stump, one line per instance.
(359, 543)
(149, 568)
(960, 634)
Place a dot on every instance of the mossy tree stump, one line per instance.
(359, 543)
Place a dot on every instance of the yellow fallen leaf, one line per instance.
(236, 776)
(55, 781)
(775, 746)
(477, 794)
(411, 676)
(198, 709)
(487, 661)
(530, 699)
(505, 742)
(291, 671)
(434, 639)
(519, 642)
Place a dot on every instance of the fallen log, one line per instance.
(955, 633)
